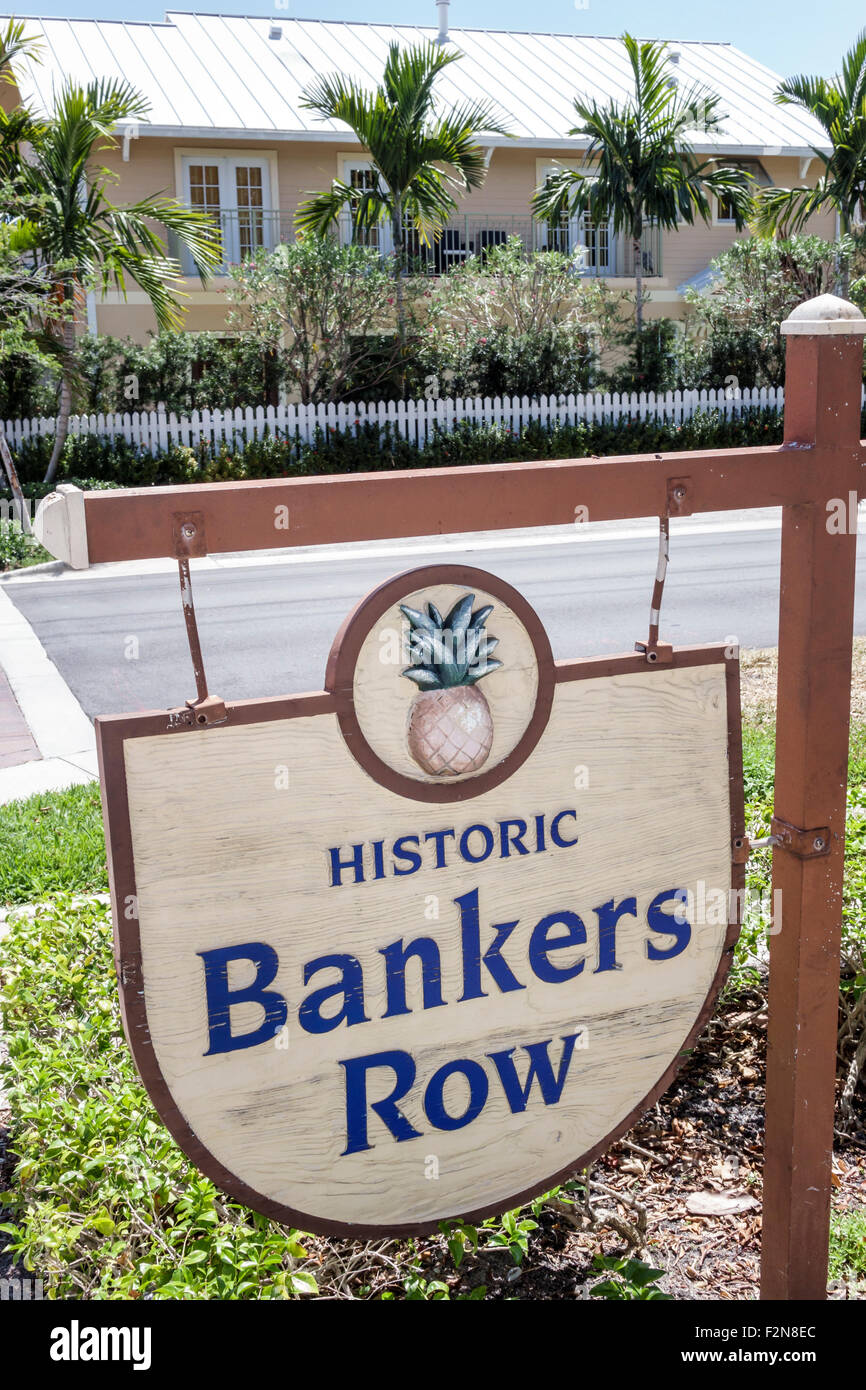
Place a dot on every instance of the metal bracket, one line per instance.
(658, 653)
(679, 497)
(190, 540)
(188, 532)
(805, 844)
(210, 710)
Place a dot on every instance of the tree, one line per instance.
(20, 124)
(84, 239)
(738, 322)
(518, 322)
(643, 166)
(326, 309)
(839, 107)
(419, 152)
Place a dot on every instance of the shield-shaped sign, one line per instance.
(420, 945)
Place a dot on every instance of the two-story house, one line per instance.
(226, 133)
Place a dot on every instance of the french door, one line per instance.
(236, 192)
(595, 238)
(359, 173)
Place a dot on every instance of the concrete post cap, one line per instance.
(827, 313)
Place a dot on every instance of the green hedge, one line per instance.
(376, 449)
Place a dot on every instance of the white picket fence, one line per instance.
(155, 430)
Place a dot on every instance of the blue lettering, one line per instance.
(337, 865)
(608, 915)
(486, 835)
(403, 1066)
(440, 836)
(554, 830)
(434, 1103)
(540, 1070)
(396, 956)
(669, 924)
(515, 840)
(351, 986)
(470, 928)
(541, 944)
(220, 998)
(410, 855)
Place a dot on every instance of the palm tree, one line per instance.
(643, 166)
(419, 152)
(85, 239)
(839, 107)
(19, 124)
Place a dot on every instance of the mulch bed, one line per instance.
(705, 1136)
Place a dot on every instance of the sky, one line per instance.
(788, 36)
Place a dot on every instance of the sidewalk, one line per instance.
(46, 739)
(17, 744)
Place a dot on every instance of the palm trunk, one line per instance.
(397, 226)
(843, 264)
(637, 236)
(61, 428)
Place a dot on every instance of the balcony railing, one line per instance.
(467, 234)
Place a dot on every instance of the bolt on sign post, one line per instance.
(422, 943)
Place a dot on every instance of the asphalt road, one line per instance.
(267, 629)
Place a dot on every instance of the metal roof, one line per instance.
(223, 75)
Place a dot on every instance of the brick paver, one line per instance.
(16, 741)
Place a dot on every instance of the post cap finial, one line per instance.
(827, 313)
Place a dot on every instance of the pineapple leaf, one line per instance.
(451, 673)
(483, 670)
(426, 650)
(458, 619)
(418, 620)
(480, 616)
(434, 613)
(423, 677)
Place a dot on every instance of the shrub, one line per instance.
(15, 547)
(370, 448)
(327, 310)
(762, 280)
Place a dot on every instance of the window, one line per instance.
(249, 186)
(359, 173)
(596, 239)
(754, 168)
(568, 233)
(235, 191)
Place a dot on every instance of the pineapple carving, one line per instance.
(450, 726)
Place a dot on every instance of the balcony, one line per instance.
(244, 230)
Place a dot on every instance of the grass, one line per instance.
(848, 1245)
(52, 843)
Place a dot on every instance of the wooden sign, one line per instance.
(422, 944)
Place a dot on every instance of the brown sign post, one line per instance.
(815, 476)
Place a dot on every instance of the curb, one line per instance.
(47, 567)
(59, 727)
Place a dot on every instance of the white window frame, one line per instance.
(346, 162)
(721, 221)
(544, 168)
(227, 159)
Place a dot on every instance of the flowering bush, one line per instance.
(327, 311)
